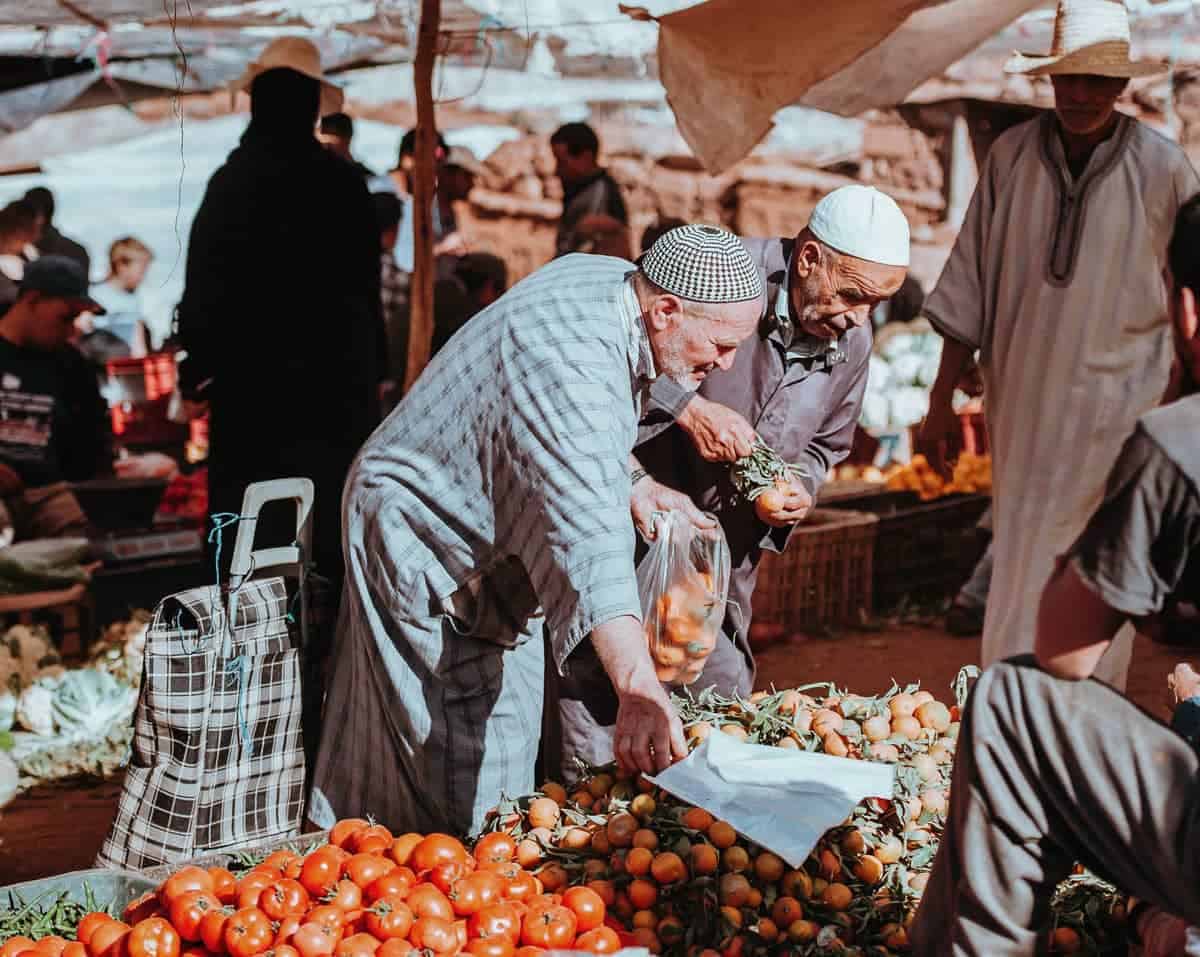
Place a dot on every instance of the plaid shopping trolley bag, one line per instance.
(217, 759)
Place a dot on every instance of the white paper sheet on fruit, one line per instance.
(782, 800)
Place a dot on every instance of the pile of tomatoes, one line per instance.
(365, 893)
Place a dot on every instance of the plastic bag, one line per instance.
(683, 583)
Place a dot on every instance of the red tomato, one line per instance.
(140, 909)
(90, 922)
(224, 885)
(436, 936)
(519, 884)
(600, 940)
(189, 910)
(530, 951)
(154, 938)
(587, 906)
(283, 950)
(495, 848)
(425, 900)
(52, 946)
(491, 947)
(16, 945)
(284, 898)
(397, 882)
(498, 920)
(250, 889)
(342, 831)
(107, 940)
(358, 945)
(471, 894)
(74, 949)
(365, 869)
(389, 917)
(248, 933)
(184, 880)
(282, 860)
(446, 875)
(374, 839)
(327, 916)
(287, 927)
(549, 925)
(315, 940)
(403, 846)
(434, 850)
(396, 948)
(345, 894)
(320, 871)
(212, 929)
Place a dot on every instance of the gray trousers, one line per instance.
(585, 704)
(1050, 772)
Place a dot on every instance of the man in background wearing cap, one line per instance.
(494, 502)
(336, 133)
(280, 314)
(1056, 278)
(54, 424)
(798, 384)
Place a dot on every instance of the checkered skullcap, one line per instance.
(703, 264)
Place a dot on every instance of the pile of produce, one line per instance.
(972, 474)
(902, 369)
(611, 861)
(57, 722)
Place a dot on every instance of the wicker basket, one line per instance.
(924, 550)
(824, 575)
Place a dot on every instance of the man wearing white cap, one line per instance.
(1056, 278)
(494, 502)
(798, 384)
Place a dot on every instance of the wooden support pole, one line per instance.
(420, 330)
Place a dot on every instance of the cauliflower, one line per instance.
(902, 343)
(879, 375)
(908, 406)
(906, 368)
(89, 702)
(35, 709)
(875, 411)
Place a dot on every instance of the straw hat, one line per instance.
(301, 55)
(1090, 37)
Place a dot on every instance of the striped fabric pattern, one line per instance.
(1058, 282)
(495, 494)
(195, 783)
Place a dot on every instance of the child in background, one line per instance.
(122, 332)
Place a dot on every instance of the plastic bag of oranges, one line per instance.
(683, 583)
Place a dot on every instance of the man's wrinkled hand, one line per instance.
(794, 504)
(650, 496)
(648, 735)
(719, 433)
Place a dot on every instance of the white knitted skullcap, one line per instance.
(703, 264)
(863, 222)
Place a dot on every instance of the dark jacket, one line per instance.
(281, 321)
(54, 243)
(805, 409)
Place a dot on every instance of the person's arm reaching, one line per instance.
(719, 433)
(649, 735)
(1129, 559)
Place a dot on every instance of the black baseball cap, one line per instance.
(61, 278)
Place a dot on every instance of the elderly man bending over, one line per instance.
(493, 502)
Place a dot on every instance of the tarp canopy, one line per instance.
(727, 66)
